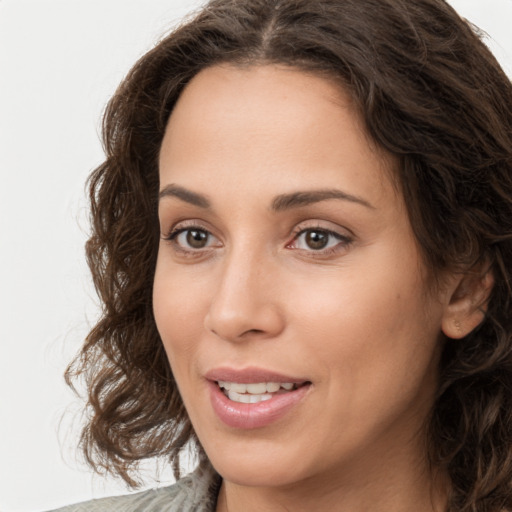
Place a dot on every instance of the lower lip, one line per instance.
(261, 414)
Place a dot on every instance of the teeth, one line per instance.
(247, 398)
(225, 385)
(257, 388)
(238, 388)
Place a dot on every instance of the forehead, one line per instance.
(268, 120)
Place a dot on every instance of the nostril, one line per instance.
(243, 320)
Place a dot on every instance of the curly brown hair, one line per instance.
(430, 93)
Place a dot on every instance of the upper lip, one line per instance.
(250, 375)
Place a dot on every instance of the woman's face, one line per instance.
(287, 258)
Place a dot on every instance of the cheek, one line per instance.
(377, 347)
(368, 324)
(179, 305)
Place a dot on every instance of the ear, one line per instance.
(468, 302)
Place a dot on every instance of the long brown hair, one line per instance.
(431, 94)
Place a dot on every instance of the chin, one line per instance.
(252, 474)
(260, 465)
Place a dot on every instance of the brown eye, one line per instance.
(316, 240)
(323, 242)
(196, 238)
(192, 239)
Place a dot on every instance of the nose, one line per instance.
(246, 303)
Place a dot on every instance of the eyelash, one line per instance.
(344, 241)
(183, 228)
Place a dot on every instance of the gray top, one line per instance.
(196, 492)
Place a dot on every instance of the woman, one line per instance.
(302, 240)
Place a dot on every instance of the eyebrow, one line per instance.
(298, 199)
(185, 195)
(280, 203)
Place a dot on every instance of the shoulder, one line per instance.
(196, 492)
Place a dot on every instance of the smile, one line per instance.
(254, 398)
(253, 393)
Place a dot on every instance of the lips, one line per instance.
(253, 398)
(251, 375)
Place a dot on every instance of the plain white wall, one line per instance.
(60, 60)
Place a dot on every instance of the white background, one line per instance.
(60, 60)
